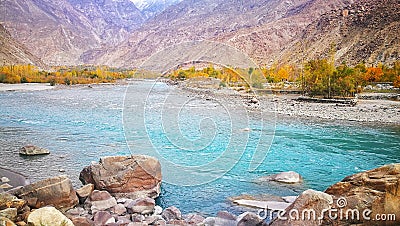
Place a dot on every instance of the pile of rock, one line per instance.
(356, 200)
(103, 203)
(101, 208)
(44, 202)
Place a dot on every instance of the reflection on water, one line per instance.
(79, 125)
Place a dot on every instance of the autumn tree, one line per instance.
(373, 74)
(318, 75)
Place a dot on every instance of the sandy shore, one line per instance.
(25, 87)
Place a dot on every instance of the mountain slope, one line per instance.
(269, 31)
(257, 27)
(112, 20)
(11, 52)
(196, 20)
(61, 31)
(363, 31)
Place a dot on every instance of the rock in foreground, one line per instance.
(309, 200)
(30, 150)
(132, 177)
(376, 190)
(48, 216)
(56, 191)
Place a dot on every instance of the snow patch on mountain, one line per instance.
(145, 5)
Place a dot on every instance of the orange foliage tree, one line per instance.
(373, 74)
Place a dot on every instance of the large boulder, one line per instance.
(371, 193)
(306, 210)
(56, 191)
(33, 150)
(48, 216)
(132, 177)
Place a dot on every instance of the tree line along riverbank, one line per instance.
(318, 77)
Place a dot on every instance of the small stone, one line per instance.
(209, 221)
(5, 180)
(61, 170)
(123, 200)
(123, 221)
(101, 200)
(177, 222)
(119, 209)
(82, 221)
(141, 205)
(172, 213)
(284, 177)
(248, 218)
(84, 192)
(103, 218)
(6, 186)
(117, 218)
(158, 210)
(10, 201)
(10, 213)
(30, 150)
(6, 222)
(137, 224)
(226, 215)
(152, 219)
(194, 219)
(253, 100)
(78, 211)
(137, 217)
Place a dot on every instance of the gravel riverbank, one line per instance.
(374, 111)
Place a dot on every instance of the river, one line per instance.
(81, 124)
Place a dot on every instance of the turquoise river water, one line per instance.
(80, 124)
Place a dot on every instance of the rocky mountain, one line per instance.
(61, 31)
(112, 20)
(258, 27)
(11, 52)
(362, 31)
(269, 31)
(126, 32)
